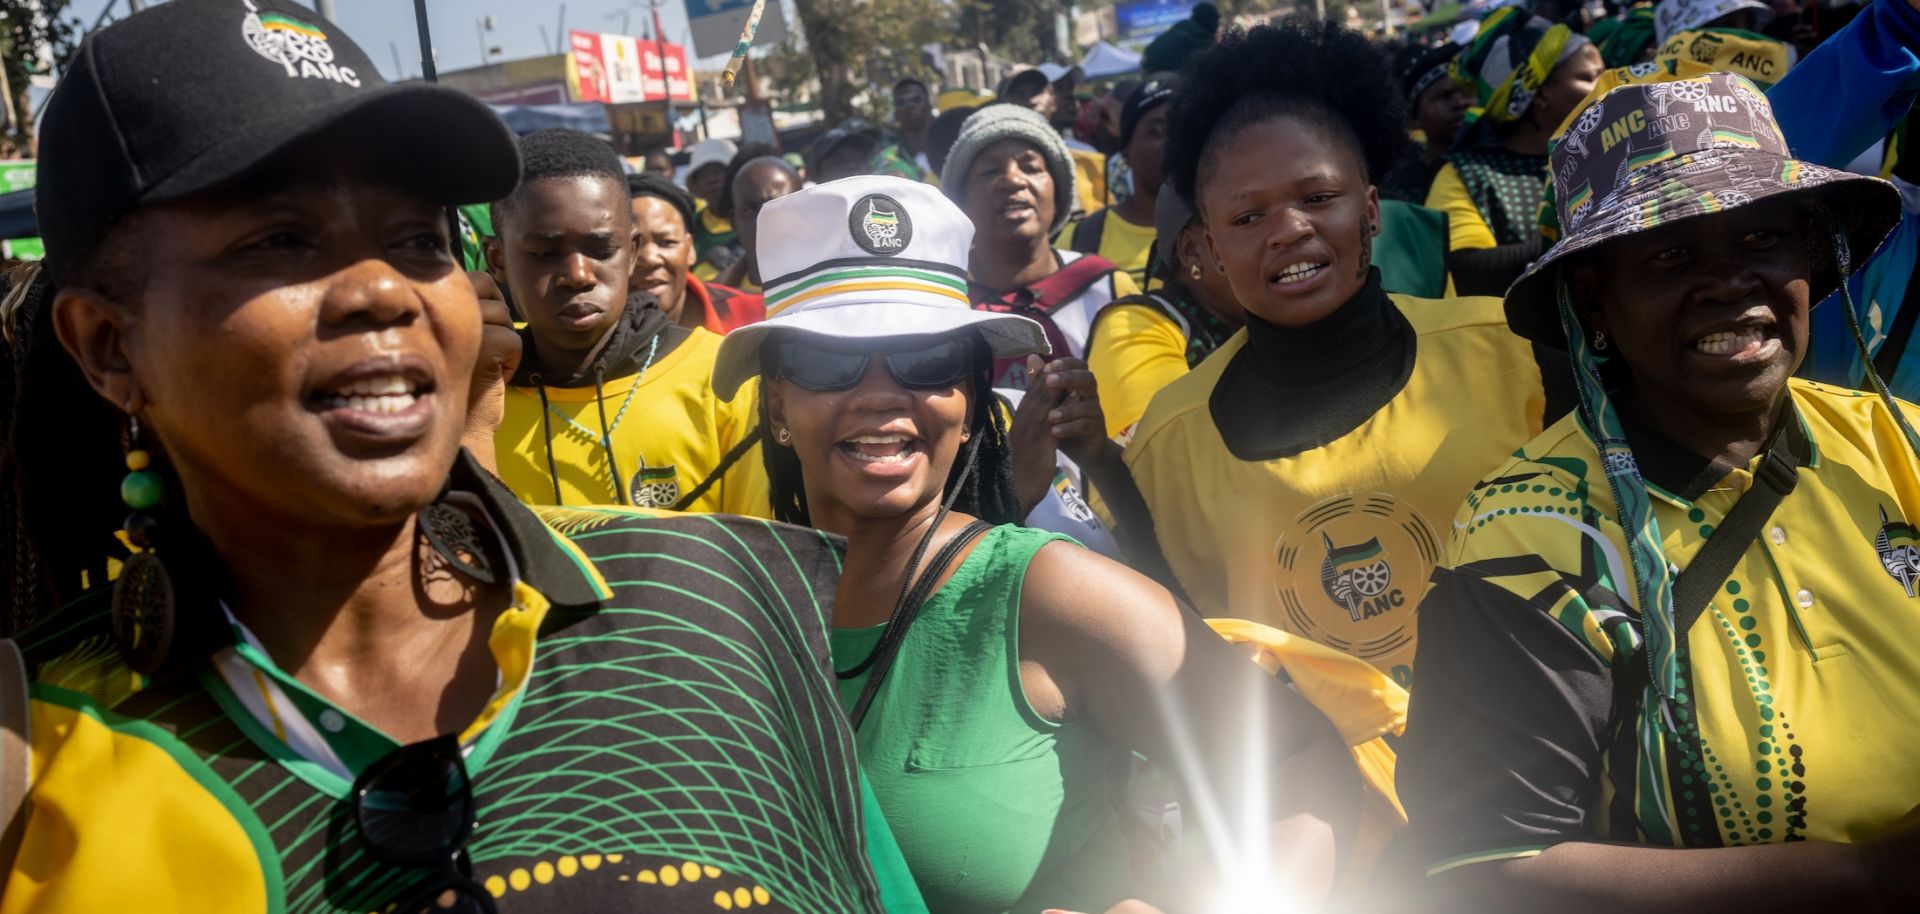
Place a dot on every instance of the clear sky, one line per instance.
(382, 26)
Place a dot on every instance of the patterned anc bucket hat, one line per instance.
(1650, 154)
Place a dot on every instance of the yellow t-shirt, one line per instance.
(1122, 242)
(1336, 543)
(1089, 178)
(669, 432)
(1466, 229)
(1135, 351)
(1800, 676)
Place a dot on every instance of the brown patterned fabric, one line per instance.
(1646, 155)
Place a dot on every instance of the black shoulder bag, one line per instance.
(1778, 473)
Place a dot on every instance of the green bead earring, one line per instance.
(140, 489)
(143, 599)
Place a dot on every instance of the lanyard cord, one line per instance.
(605, 435)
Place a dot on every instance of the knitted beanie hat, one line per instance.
(994, 123)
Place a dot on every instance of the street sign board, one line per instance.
(1146, 19)
(620, 69)
(716, 24)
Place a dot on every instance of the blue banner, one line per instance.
(1147, 18)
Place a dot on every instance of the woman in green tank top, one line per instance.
(998, 680)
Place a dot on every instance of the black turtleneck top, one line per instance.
(1293, 389)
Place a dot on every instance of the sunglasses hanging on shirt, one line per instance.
(415, 808)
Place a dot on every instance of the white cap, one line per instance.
(709, 152)
(866, 257)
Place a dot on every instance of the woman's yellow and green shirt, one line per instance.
(1799, 682)
(665, 735)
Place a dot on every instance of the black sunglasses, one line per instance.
(415, 808)
(940, 363)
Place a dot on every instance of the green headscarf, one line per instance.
(1630, 37)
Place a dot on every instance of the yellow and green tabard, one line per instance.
(1336, 543)
(668, 431)
(657, 741)
(1798, 685)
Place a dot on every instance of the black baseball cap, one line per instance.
(192, 94)
(1152, 94)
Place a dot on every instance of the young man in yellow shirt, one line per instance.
(612, 403)
(1123, 232)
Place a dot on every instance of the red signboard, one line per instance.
(621, 68)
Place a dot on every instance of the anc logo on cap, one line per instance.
(879, 225)
(299, 46)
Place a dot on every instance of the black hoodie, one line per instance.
(624, 353)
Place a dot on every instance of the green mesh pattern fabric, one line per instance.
(677, 744)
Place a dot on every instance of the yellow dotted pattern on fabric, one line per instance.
(741, 898)
(544, 872)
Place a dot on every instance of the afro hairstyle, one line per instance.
(655, 184)
(1323, 73)
(560, 153)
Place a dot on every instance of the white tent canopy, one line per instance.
(1104, 60)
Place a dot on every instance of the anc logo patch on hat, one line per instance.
(300, 47)
(880, 225)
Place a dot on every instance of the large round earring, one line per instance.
(143, 610)
(783, 436)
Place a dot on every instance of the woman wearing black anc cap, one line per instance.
(340, 668)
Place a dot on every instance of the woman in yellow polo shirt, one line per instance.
(290, 648)
(1670, 664)
(1301, 475)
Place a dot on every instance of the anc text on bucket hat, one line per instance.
(187, 96)
(1649, 154)
(866, 257)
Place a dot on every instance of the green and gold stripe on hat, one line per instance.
(890, 277)
(278, 22)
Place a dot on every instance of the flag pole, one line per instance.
(427, 70)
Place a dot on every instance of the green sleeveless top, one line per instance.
(995, 808)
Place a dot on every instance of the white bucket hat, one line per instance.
(709, 152)
(867, 257)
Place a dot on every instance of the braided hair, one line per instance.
(60, 451)
(987, 492)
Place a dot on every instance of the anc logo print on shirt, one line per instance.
(299, 46)
(1349, 571)
(1899, 548)
(654, 487)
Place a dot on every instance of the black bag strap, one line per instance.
(1086, 235)
(881, 659)
(1779, 472)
